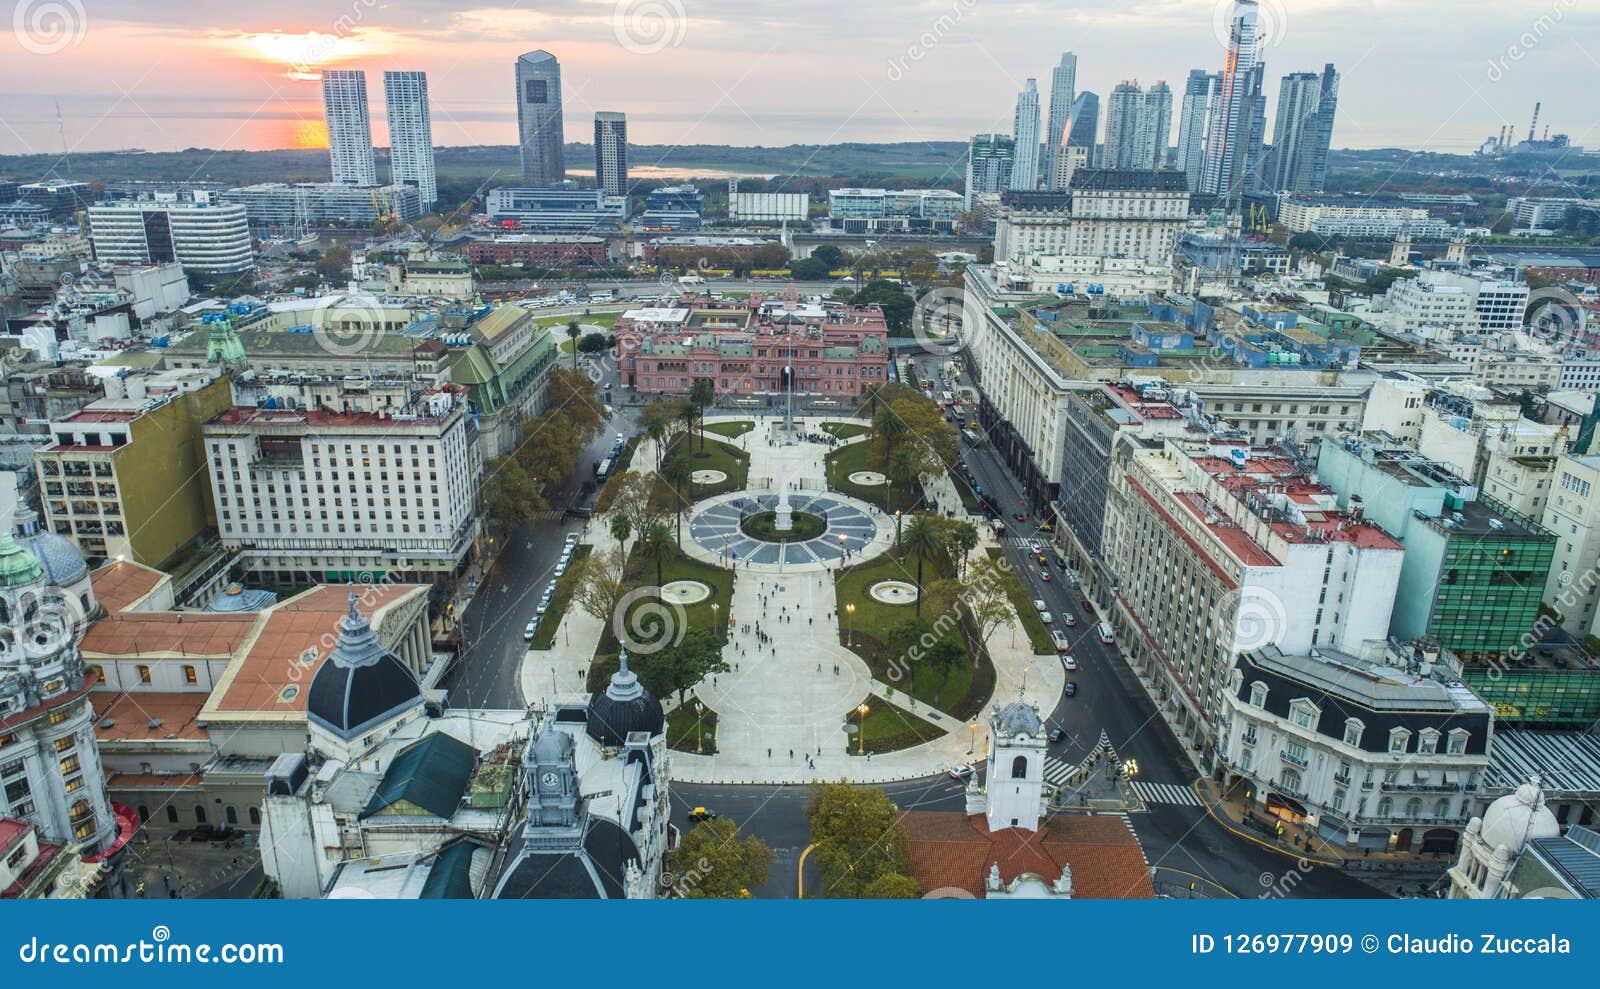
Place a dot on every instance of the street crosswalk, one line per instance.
(1165, 793)
(1056, 771)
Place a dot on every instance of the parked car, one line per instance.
(528, 630)
(1072, 688)
(1040, 606)
(1069, 664)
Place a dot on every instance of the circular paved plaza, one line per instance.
(715, 528)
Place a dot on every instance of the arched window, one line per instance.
(199, 814)
(1441, 807)
(172, 814)
(144, 814)
(1385, 807)
(255, 815)
(1414, 807)
(1019, 767)
(233, 815)
(1291, 780)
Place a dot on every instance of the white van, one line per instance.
(1107, 637)
(1062, 643)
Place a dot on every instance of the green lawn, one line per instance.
(681, 724)
(889, 729)
(737, 427)
(845, 430)
(565, 585)
(716, 455)
(960, 691)
(701, 615)
(1032, 624)
(848, 459)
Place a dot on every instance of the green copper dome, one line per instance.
(18, 566)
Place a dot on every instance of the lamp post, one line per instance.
(714, 625)
(850, 624)
(897, 528)
(699, 712)
(844, 551)
(861, 730)
(974, 743)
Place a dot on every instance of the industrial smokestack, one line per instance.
(1533, 126)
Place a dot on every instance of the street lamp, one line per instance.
(861, 732)
(699, 711)
(844, 551)
(974, 743)
(850, 624)
(714, 609)
(897, 528)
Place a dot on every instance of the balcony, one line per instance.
(1294, 760)
(1434, 787)
(1249, 737)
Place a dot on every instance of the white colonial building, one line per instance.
(1104, 212)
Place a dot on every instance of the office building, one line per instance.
(563, 207)
(1199, 102)
(769, 207)
(611, 152)
(672, 207)
(539, 119)
(121, 476)
(1104, 212)
(990, 158)
(894, 210)
(405, 97)
(1361, 218)
(282, 208)
(344, 106)
(204, 236)
(378, 486)
(1303, 130)
(1085, 127)
(1025, 132)
(1385, 749)
(58, 199)
(1238, 120)
(1572, 512)
(1137, 125)
(1223, 549)
(1063, 91)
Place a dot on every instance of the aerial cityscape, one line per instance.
(461, 476)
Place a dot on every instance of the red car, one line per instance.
(1087, 607)
(1044, 575)
(1021, 516)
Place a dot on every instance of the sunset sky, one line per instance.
(161, 74)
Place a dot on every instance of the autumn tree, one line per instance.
(858, 838)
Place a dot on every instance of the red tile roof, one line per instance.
(952, 850)
(121, 583)
(130, 715)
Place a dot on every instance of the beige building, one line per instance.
(1573, 514)
(124, 476)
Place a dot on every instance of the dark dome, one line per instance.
(623, 707)
(361, 684)
(346, 700)
(593, 870)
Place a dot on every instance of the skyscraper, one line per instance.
(1234, 139)
(405, 96)
(539, 119)
(611, 152)
(1303, 130)
(1085, 125)
(1063, 83)
(1137, 124)
(990, 158)
(344, 105)
(1025, 130)
(1199, 98)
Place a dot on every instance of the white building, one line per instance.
(1572, 512)
(769, 206)
(1131, 279)
(1105, 212)
(1441, 305)
(405, 105)
(1025, 131)
(1381, 751)
(1340, 218)
(1394, 406)
(1137, 124)
(1063, 90)
(309, 492)
(1495, 841)
(205, 237)
(611, 152)
(344, 105)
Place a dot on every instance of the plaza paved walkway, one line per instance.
(796, 692)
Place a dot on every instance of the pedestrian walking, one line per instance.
(769, 752)
(791, 755)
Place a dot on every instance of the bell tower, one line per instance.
(1015, 778)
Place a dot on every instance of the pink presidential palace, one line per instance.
(743, 347)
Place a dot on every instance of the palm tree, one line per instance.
(573, 332)
(677, 472)
(888, 427)
(922, 538)
(621, 528)
(702, 393)
(654, 546)
(903, 468)
(687, 414)
(655, 427)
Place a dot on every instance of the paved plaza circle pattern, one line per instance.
(715, 528)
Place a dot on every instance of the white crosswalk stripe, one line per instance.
(1056, 771)
(1163, 793)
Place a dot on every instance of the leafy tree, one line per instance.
(714, 862)
(920, 537)
(681, 665)
(334, 263)
(963, 540)
(593, 343)
(769, 256)
(892, 886)
(631, 495)
(600, 583)
(808, 270)
(512, 496)
(897, 305)
(828, 254)
(858, 838)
